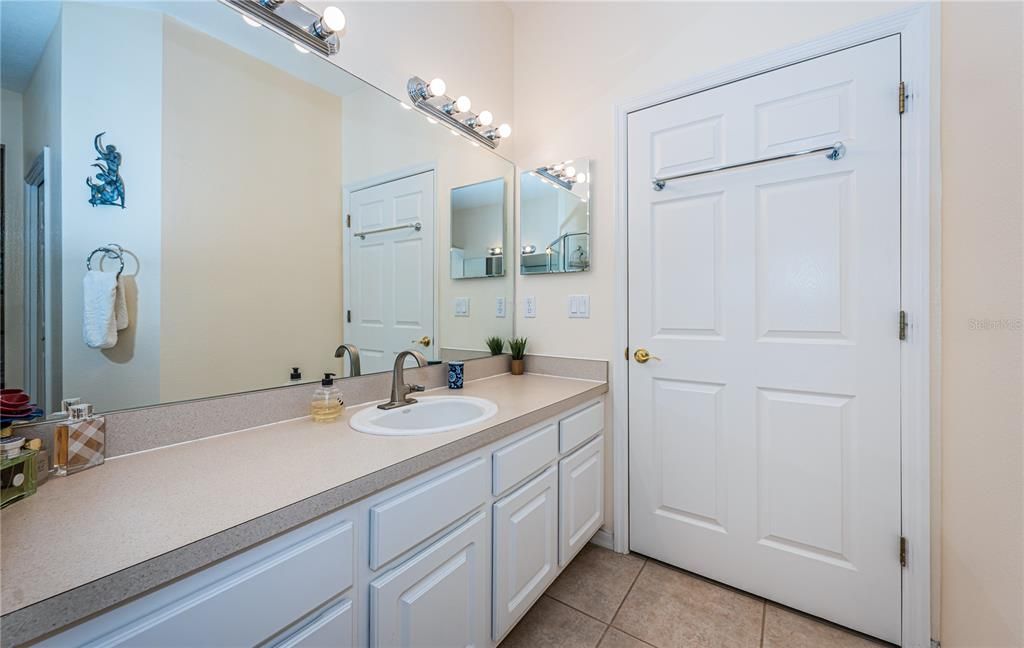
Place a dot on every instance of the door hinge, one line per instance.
(348, 220)
(903, 97)
(903, 551)
(348, 316)
(903, 325)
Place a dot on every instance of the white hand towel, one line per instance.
(120, 306)
(98, 321)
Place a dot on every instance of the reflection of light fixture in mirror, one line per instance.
(430, 98)
(494, 251)
(560, 175)
(315, 32)
(581, 177)
(529, 249)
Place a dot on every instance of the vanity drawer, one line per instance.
(517, 461)
(270, 586)
(402, 522)
(333, 627)
(574, 430)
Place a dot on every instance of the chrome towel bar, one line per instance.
(834, 152)
(363, 235)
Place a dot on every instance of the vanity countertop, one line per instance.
(92, 540)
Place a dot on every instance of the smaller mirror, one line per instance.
(555, 218)
(478, 230)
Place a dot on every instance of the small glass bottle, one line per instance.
(326, 404)
(79, 442)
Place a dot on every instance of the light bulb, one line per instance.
(463, 104)
(252, 23)
(504, 130)
(334, 19)
(570, 172)
(485, 118)
(437, 87)
(581, 177)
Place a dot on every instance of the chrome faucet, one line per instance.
(353, 357)
(399, 390)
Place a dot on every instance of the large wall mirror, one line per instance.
(554, 215)
(275, 208)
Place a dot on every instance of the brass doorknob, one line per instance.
(643, 355)
(425, 341)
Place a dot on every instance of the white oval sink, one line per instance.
(429, 415)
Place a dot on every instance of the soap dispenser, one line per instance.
(326, 405)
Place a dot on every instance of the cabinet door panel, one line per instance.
(439, 596)
(581, 498)
(331, 629)
(525, 548)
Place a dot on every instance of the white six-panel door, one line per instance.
(764, 439)
(389, 276)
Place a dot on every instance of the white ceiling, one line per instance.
(25, 26)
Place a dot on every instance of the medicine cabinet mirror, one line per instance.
(478, 230)
(554, 216)
(275, 208)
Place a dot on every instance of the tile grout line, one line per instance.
(764, 618)
(623, 601)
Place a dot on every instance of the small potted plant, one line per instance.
(518, 348)
(496, 345)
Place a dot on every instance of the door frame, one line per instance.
(919, 277)
(346, 203)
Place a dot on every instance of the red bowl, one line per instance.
(14, 400)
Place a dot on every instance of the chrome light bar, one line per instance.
(429, 98)
(311, 35)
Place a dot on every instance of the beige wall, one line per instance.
(251, 222)
(982, 207)
(658, 44)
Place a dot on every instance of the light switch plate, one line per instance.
(579, 306)
(530, 307)
(499, 307)
(462, 307)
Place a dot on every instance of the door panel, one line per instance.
(764, 438)
(390, 275)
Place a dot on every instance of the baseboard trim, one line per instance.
(604, 539)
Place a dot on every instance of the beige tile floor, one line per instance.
(610, 600)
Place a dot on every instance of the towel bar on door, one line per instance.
(363, 235)
(834, 152)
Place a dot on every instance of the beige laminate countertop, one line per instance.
(99, 537)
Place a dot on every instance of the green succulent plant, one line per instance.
(518, 347)
(496, 345)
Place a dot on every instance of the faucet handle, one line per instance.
(417, 388)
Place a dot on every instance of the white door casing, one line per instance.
(764, 444)
(389, 276)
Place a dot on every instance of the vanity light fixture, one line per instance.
(430, 98)
(308, 30)
(529, 249)
(494, 251)
(562, 174)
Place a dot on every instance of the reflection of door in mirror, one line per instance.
(37, 321)
(389, 270)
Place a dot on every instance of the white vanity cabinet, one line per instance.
(454, 556)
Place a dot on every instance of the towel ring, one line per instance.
(108, 253)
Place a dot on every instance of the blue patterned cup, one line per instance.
(455, 373)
